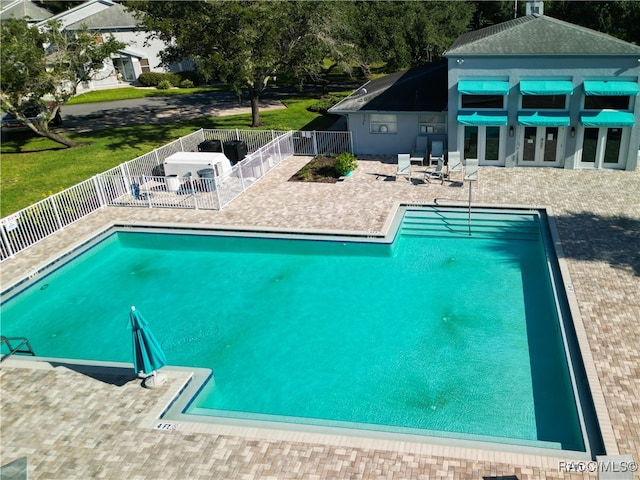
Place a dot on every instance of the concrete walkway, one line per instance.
(71, 424)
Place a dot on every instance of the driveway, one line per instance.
(96, 116)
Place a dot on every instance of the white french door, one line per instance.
(604, 147)
(541, 146)
(485, 143)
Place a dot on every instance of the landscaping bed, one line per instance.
(320, 169)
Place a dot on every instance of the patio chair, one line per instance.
(404, 165)
(419, 152)
(454, 165)
(471, 170)
(437, 174)
(437, 152)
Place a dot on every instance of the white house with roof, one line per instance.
(105, 17)
(532, 91)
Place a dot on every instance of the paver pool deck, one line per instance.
(70, 424)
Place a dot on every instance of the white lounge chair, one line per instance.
(454, 165)
(404, 165)
(437, 152)
(437, 174)
(419, 152)
(471, 170)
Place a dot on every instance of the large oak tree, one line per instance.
(247, 44)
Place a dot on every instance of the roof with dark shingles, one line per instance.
(113, 17)
(23, 9)
(419, 89)
(539, 35)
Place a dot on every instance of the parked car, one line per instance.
(11, 124)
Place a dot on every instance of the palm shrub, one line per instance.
(345, 162)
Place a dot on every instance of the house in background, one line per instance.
(532, 91)
(105, 17)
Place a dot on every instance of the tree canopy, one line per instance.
(408, 34)
(43, 67)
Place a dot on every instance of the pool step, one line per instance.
(484, 223)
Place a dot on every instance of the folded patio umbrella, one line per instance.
(147, 352)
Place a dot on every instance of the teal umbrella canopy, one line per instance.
(147, 352)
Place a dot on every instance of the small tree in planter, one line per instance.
(345, 163)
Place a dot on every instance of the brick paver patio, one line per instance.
(70, 424)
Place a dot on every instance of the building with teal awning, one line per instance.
(565, 96)
(532, 91)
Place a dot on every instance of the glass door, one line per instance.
(484, 143)
(529, 142)
(541, 146)
(470, 142)
(604, 147)
(612, 148)
(492, 145)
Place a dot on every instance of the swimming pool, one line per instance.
(431, 332)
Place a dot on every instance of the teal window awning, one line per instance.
(613, 87)
(483, 118)
(483, 87)
(546, 87)
(607, 118)
(543, 119)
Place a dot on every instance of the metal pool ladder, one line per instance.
(23, 346)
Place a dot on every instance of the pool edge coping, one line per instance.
(597, 395)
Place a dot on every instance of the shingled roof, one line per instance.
(420, 89)
(539, 35)
(23, 9)
(113, 18)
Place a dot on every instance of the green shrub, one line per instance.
(164, 85)
(186, 84)
(345, 163)
(150, 79)
(324, 104)
(153, 79)
(191, 75)
(173, 78)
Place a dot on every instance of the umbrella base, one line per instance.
(154, 381)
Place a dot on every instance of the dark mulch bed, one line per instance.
(320, 169)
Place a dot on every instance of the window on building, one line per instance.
(597, 102)
(383, 123)
(482, 101)
(541, 102)
(144, 64)
(433, 123)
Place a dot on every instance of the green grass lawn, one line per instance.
(129, 93)
(33, 168)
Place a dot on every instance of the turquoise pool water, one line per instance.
(438, 332)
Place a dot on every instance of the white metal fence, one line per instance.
(141, 182)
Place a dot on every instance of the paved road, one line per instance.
(143, 111)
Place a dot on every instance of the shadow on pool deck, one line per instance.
(117, 376)
(593, 237)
